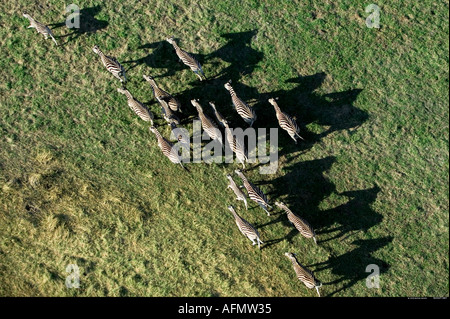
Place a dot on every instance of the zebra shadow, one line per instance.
(88, 24)
(335, 111)
(351, 267)
(303, 188)
(161, 55)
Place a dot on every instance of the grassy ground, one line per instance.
(83, 182)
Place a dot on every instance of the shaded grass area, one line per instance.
(83, 181)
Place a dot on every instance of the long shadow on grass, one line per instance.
(88, 24)
(351, 266)
(304, 186)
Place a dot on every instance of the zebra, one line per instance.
(40, 27)
(286, 122)
(167, 148)
(140, 109)
(168, 114)
(208, 125)
(302, 225)
(181, 138)
(111, 64)
(254, 193)
(219, 116)
(160, 94)
(187, 59)
(246, 112)
(237, 191)
(304, 274)
(237, 145)
(246, 228)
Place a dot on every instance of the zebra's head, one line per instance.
(212, 105)
(239, 172)
(280, 204)
(96, 49)
(229, 176)
(26, 15)
(228, 85)
(171, 40)
(122, 90)
(272, 101)
(231, 208)
(148, 78)
(197, 105)
(153, 129)
(290, 256)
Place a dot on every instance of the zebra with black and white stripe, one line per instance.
(111, 64)
(219, 116)
(181, 136)
(302, 225)
(246, 228)
(286, 122)
(208, 125)
(187, 59)
(167, 113)
(167, 148)
(162, 95)
(254, 192)
(246, 112)
(303, 274)
(140, 109)
(236, 144)
(237, 191)
(40, 27)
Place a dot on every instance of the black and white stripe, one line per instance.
(111, 64)
(304, 274)
(140, 109)
(246, 228)
(255, 193)
(237, 191)
(286, 122)
(187, 59)
(302, 225)
(162, 95)
(219, 116)
(246, 112)
(167, 148)
(167, 112)
(236, 144)
(208, 125)
(40, 27)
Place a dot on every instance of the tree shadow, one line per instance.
(88, 24)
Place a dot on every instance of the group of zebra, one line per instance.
(170, 107)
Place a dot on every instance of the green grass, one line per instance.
(83, 182)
